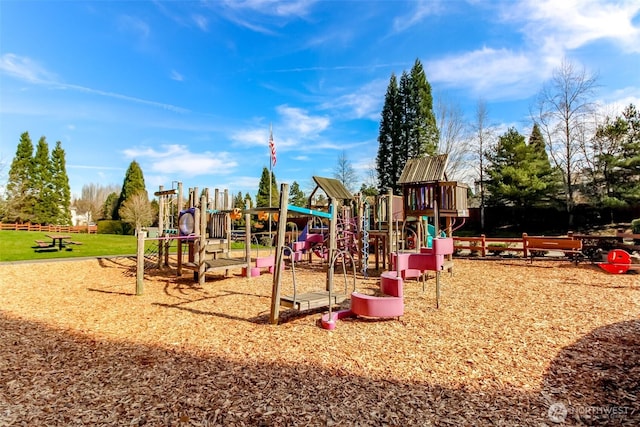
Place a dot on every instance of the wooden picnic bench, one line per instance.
(43, 244)
(534, 246)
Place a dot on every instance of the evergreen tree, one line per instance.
(368, 190)
(516, 175)
(296, 196)
(132, 184)
(238, 201)
(20, 196)
(389, 136)
(109, 206)
(407, 128)
(45, 209)
(262, 198)
(247, 197)
(423, 133)
(60, 186)
(603, 170)
(628, 172)
(547, 177)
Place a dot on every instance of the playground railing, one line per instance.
(483, 244)
(91, 229)
(495, 245)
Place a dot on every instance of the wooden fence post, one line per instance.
(525, 251)
(142, 235)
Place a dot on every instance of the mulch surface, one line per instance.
(513, 343)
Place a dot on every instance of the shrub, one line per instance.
(111, 226)
(635, 229)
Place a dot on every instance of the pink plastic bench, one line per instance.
(372, 306)
(429, 259)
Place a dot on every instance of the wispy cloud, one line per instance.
(421, 10)
(176, 76)
(134, 25)
(24, 68)
(272, 7)
(28, 70)
(492, 73)
(178, 159)
(301, 122)
(575, 23)
(364, 102)
(552, 30)
(201, 22)
(262, 16)
(88, 167)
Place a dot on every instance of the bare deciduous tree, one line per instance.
(345, 173)
(453, 139)
(92, 198)
(137, 210)
(482, 138)
(563, 109)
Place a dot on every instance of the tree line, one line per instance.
(573, 155)
(37, 187)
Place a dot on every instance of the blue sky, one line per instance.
(189, 89)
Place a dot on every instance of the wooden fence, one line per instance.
(91, 229)
(484, 245)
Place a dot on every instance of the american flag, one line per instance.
(272, 147)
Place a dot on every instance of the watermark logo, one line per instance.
(557, 413)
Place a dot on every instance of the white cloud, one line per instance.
(179, 160)
(618, 100)
(134, 25)
(552, 30)
(300, 122)
(30, 71)
(572, 24)
(201, 22)
(423, 8)
(490, 73)
(176, 76)
(365, 102)
(272, 7)
(24, 68)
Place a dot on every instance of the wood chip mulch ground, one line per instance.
(513, 343)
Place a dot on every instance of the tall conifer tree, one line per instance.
(389, 137)
(45, 209)
(408, 126)
(132, 184)
(60, 185)
(20, 196)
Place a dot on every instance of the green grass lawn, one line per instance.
(21, 246)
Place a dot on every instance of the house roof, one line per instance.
(424, 169)
(333, 188)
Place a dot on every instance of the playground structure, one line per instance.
(207, 225)
(345, 233)
(350, 239)
(338, 197)
(203, 228)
